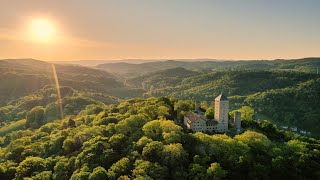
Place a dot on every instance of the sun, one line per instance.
(42, 30)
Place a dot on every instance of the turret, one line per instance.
(237, 121)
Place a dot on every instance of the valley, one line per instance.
(121, 125)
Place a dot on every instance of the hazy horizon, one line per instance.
(159, 30)
(152, 60)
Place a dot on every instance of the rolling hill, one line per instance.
(72, 102)
(131, 70)
(21, 77)
(245, 83)
(160, 79)
(203, 86)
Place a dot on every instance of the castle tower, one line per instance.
(237, 121)
(221, 110)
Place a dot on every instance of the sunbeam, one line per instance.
(58, 90)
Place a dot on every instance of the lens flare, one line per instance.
(58, 90)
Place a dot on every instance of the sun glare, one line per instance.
(42, 30)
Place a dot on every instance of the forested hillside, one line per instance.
(160, 79)
(267, 86)
(296, 105)
(137, 139)
(288, 98)
(21, 77)
(206, 85)
(104, 136)
(72, 101)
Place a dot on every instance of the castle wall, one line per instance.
(212, 128)
(199, 125)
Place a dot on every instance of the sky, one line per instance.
(162, 29)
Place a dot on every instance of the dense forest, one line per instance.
(267, 86)
(250, 83)
(137, 139)
(117, 123)
(297, 105)
(73, 100)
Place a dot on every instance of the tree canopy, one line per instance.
(134, 143)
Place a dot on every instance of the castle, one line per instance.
(197, 121)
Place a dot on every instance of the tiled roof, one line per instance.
(192, 116)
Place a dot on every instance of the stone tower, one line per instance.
(221, 110)
(237, 121)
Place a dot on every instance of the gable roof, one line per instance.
(193, 117)
(221, 97)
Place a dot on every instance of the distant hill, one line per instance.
(161, 79)
(130, 70)
(204, 86)
(97, 62)
(22, 77)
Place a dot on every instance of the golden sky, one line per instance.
(159, 29)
